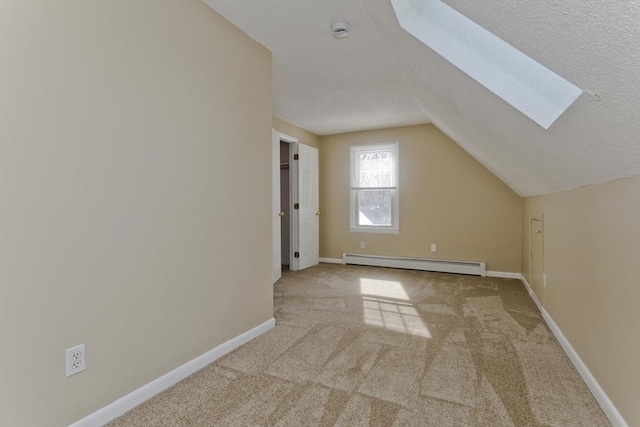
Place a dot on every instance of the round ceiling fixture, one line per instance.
(340, 29)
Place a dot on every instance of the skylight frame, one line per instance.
(525, 84)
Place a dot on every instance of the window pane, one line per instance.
(374, 169)
(374, 207)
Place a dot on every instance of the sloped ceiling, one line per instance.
(380, 76)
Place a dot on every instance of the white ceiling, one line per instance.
(380, 76)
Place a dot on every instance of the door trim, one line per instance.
(293, 196)
(535, 216)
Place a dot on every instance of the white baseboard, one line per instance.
(147, 391)
(504, 274)
(601, 397)
(332, 260)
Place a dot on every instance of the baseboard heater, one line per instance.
(439, 265)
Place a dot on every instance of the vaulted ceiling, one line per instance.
(381, 76)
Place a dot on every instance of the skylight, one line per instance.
(528, 86)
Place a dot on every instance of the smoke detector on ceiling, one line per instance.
(340, 29)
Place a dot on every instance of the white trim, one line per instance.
(276, 206)
(601, 397)
(534, 297)
(294, 214)
(124, 404)
(382, 230)
(332, 260)
(504, 274)
(284, 137)
(294, 221)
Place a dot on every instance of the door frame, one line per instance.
(293, 196)
(535, 216)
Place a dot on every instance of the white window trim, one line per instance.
(353, 211)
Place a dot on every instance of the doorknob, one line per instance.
(318, 213)
(281, 214)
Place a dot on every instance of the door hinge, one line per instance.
(296, 206)
(296, 157)
(296, 254)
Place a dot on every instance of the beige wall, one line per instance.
(303, 136)
(127, 217)
(592, 262)
(446, 197)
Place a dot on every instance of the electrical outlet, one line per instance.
(75, 360)
(362, 245)
(433, 247)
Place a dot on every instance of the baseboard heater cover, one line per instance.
(425, 264)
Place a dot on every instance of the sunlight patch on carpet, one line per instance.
(382, 288)
(394, 316)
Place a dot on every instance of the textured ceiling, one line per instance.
(381, 76)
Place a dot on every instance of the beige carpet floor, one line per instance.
(358, 346)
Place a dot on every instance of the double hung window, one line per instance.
(374, 188)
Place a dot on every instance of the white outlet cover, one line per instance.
(433, 247)
(362, 245)
(75, 359)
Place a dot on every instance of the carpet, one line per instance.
(367, 346)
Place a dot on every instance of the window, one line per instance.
(374, 188)
(527, 85)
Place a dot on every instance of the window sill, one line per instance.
(374, 230)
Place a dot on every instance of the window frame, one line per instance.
(355, 150)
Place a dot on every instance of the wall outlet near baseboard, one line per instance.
(433, 247)
(75, 357)
(362, 245)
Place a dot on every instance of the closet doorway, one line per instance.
(295, 206)
(285, 192)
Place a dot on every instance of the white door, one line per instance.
(309, 211)
(275, 209)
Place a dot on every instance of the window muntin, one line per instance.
(374, 188)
